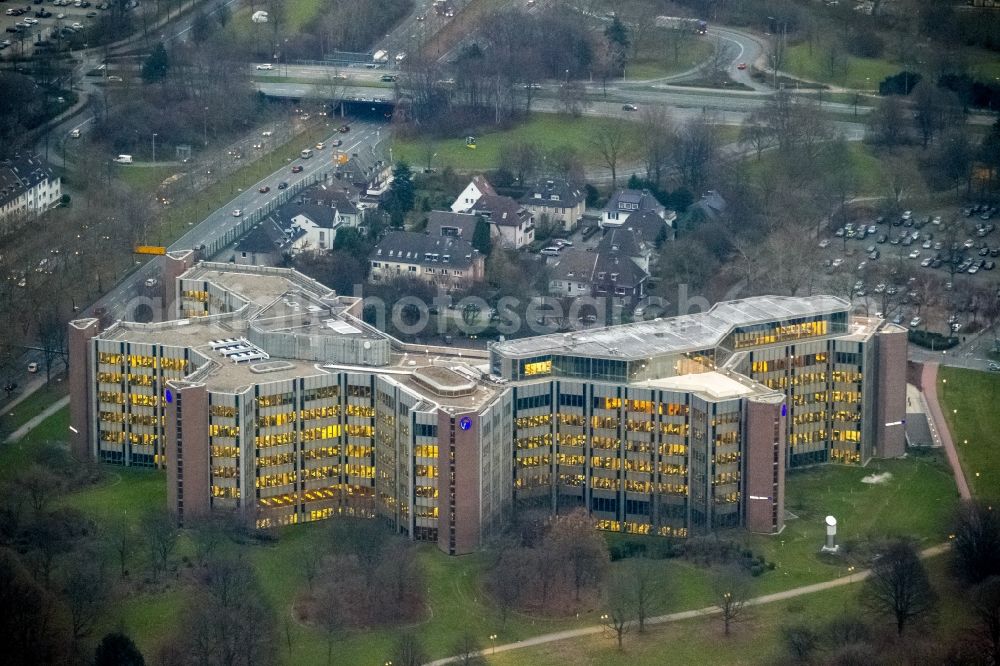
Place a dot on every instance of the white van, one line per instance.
(306, 154)
(124, 159)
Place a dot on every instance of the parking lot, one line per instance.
(24, 23)
(917, 269)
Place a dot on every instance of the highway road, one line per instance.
(128, 293)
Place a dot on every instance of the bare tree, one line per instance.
(467, 650)
(898, 585)
(986, 608)
(641, 583)
(731, 590)
(85, 590)
(408, 651)
(612, 140)
(976, 552)
(620, 607)
(572, 98)
(696, 152)
(658, 141)
(161, 539)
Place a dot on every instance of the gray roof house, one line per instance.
(444, 260)
(625, 202)
(557, 199)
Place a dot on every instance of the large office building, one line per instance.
(266, 396)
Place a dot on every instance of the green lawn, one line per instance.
(545, 131)
(868, 170)
(16, 456)
(144, 179)
(976, 425)
(916, 502)
(755, 639)
(860, 73)
(657, 62)
(300, 12)
(11, 419)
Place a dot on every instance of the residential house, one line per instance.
(709, 208)
(604, 272)
(339, 199)
(648, 228)
(266, 244)
(367, 176)
(627, 242)
(511, 222)
(476, 188)
(27, 185)
(557, 199)
(454, 225)
(624, 203)
(447, 261)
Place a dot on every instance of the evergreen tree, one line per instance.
(117, 649)
(481, 237)
(618, 42)
(401, 192)
(156, 66)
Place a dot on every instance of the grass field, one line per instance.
(859, 73)
(654, 63)
(975, 426)
(19, 455)
(144, 179)
(916, 502)
(755, 639)
(868, 170)
(544, 131)
(11, 419)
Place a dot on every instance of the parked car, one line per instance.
(551, 251)
(266, 67)
(629, 107)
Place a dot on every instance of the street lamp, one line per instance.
(204, 127)
(154, 147)
(493, 640)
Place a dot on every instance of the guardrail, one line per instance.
(248, 222)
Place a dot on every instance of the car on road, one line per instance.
(238, 213)
(150, 282)
(282, 185)
(388, 78)
(915, 322)
(297, 168)
(741, 66)
(266, 67)
(344, 129)
(74, 133)
(267, 133)
(336, 143)
(264, 189)
(629, 107)
(320, 146)
(994, 366)
(32, 367)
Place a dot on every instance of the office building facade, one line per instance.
(266, 397)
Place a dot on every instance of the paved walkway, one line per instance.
(686, 615)
(928, 380)
(38, 418)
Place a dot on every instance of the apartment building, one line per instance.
(27, 186)
(268, 398)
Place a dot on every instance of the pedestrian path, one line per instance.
(687, 615)
(37, 419)
(928, 381)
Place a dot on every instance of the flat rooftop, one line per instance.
(713, 385)
(259, 285)
(675, 334)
